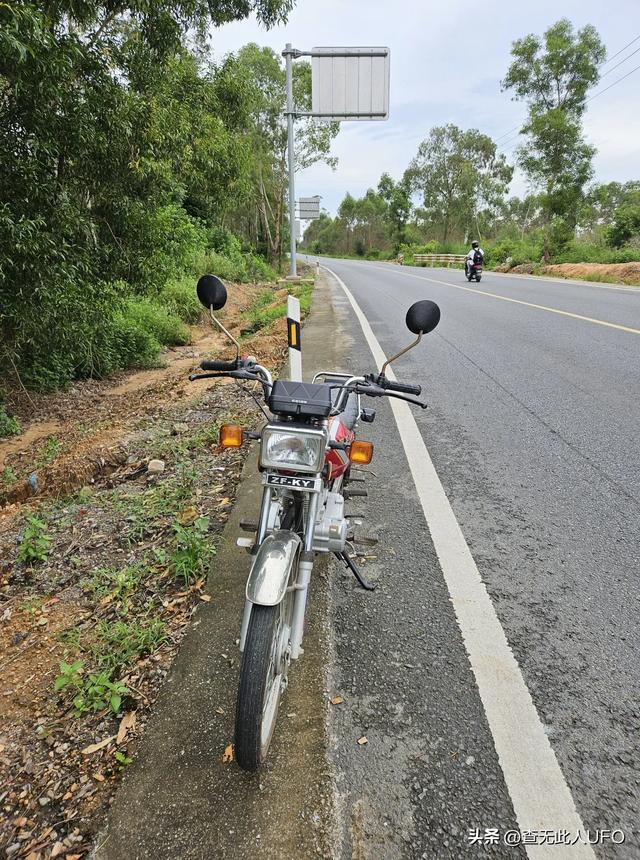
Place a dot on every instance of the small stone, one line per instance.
(469, 759)
(44, 801)
(155, 467)
(180, 427)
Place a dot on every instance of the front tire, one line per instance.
(263, 670)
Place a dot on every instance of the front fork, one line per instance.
(301, 581)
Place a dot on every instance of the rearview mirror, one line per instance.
(423, 317)
(212, 292)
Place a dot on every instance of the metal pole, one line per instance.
(288, 53)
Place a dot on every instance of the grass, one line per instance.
(263, 312)
(49, 453)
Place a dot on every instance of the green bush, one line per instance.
(180, 299)
(153, 317)
(9, 426)
(581, 252)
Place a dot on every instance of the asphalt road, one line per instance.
(533, 431)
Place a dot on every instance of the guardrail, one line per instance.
(440, 259)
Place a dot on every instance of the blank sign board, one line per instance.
(309, 208)
(350, 83)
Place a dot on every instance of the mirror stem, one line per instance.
(402, 352)
(228, 334)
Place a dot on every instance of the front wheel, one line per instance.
(262, 678)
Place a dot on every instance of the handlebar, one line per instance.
(218, 365)
(400, 387)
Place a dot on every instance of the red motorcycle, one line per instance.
(308, 453)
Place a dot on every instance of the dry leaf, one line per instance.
(219, 710)
(101, 745)
(188, 515)
(337, 700)
(363, 740)
(57, 849)
(205, 597)
(127, 723)
(228, 754)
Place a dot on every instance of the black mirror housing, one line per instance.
(212, 292)
(423, 317)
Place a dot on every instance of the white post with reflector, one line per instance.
(293, 339)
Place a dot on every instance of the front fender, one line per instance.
(271, 568)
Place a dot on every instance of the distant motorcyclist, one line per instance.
(475, 256)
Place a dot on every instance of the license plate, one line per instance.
(291, 482)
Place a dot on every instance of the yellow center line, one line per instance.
(527, 304)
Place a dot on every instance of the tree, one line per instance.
(348, 214)
(626, 225)
(120, 149)
(458, 173)
(553, 77)
(397, 196)
(262, 74)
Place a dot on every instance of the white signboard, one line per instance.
(350, 83)
(309, 208)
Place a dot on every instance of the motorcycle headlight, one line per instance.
(299, 450)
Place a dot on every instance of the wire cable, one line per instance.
(600, 92)
(617, 54)
(613, 68)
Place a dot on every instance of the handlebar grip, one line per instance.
(404, 388)
(219, 365)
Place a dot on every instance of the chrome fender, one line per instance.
(269, 575)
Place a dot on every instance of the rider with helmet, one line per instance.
(475, 255)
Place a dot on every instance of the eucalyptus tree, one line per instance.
(457, 173)
(553, 75)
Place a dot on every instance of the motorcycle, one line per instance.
(309, 456)
(473, 271)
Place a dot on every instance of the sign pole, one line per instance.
(288, 53)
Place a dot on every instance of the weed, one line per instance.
(7, 477)
(119, 643)
(35, 542)
(192, 550)
(49, 452)
(99, 692)
(32, 605)
(92, 693)
(122, 759)
(117, 584)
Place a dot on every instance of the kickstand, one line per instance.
(346, 558)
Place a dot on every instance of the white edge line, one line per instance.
(539, 792)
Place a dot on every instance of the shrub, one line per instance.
(9, 426)
(180, 299)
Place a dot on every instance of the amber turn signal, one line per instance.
(231, 436)
(361, 452)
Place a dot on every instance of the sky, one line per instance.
(447, 60)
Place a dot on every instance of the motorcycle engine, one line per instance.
(331, 530)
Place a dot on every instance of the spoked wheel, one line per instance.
(263, 677)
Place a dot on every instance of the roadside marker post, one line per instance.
(293, 339)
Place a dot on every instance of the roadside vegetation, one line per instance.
(456, 187)
(131, 163)
(102, 570)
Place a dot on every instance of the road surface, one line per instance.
(534, 392)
